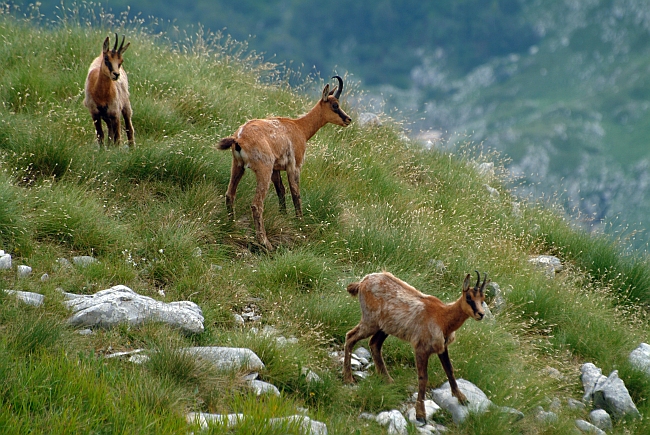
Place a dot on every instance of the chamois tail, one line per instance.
(353, 288)
(226, 143)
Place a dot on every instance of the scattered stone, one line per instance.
(23, 271)
(549, 263)
(478, 401)
(239, 320)
(362, 352)
(126, 353)
(516, 209)
(29, 298)
(307, 425)
(85, 331)
(5, 260)
(601, 419)
(229, 358)
(493, 292)
(84, 260)
(394, 420)
(486, 169)
(139, 359)
(197, 252)
(367, 119)
(64, 263)
(554, 373)
(360, 374)
(310, 376)
(589, 428)
(438, 265)
(45, 277)
(612, 396)
(430, 408)
(492, 191)
(640, 358)
(590, 376)
(576, 405)
(555, 405)
(263, 388)
(545, 416)
(120, 304)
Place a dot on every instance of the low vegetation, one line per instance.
(155, 217)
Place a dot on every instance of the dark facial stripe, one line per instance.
(471, 303)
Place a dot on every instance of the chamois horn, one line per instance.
(122, 44)
(478, 281)
(339, 88)
(117, 38)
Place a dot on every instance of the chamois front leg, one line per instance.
(449, 370)
(376, 341)
(257, 208)
(279, 189)
(422, 363)
(293, 175)
(97, 120)
(126, 114)
(113, 123)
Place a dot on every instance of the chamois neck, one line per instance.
(312, 121)
(454, 317)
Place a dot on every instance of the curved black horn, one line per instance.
(484, 279)
(117, 38)
(478, 281)
(340, 87)
(122, 44)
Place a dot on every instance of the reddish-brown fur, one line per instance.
(107, 93)
(390, 306)
(271, 145)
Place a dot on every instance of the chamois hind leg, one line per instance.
(449, 370)
(376, 342)
(263, 180)
(293, 175)
(422, 362)
(236, 173)
(357, 333)
(279, 189)
(126, 114)
(97, 120)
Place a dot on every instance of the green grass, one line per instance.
(154, 216)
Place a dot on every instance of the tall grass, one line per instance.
(155, 217)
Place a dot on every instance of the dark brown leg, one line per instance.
(357, 333)
(97, 120)
(279, 189)
(293, 177)
(422, 363)
(376, 342)
(449, 370)
(236, 173)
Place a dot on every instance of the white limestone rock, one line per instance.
(478, 401)
(394, 421)
(229, 358)
(30, 298)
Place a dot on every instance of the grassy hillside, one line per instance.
(372, 201)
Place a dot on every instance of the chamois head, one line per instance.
(112, 64)
(330, 100)
(473, 297)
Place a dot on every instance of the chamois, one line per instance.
(389, 306)
(271, 145)
(107, 93)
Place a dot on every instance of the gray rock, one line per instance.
(64, 263)
(239, 320)
(601, 419)
(493, 292)
(589, 428)
(362, 352)
(478, 401)
(590, 376)
(120, 304)
(576, 405)
(545, 416)
(394, 421)
(549, 263)
(307, 425)
(45, 277)
(486, 169)
(492, 191)
(367, 119)
(84, 260)
(640, 358)
(5, 260)
(310, 376)
(229, 358)
(612, 396)
(23, 271)
(430, 408)
(30, 298)
(263, 388)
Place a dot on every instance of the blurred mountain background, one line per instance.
(559, 87)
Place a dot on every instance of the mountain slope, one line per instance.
(372, 201)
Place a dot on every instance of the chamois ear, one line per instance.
(106, 42)
(326, 93)
(466, 282)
